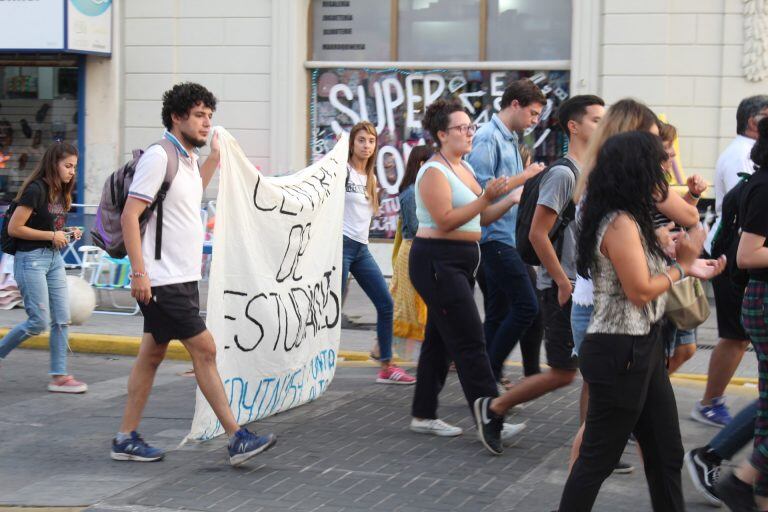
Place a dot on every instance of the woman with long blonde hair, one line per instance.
(37, 229)
(361, 203)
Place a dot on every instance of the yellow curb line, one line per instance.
(129, 346)
(735, 381)
(23, 508)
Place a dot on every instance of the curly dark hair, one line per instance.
(438, 115)
(628, 177)
(182, 98)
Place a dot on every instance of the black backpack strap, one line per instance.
(171, 169)
(568, 214)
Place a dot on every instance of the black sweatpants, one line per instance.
(443, 272)
(629, 391)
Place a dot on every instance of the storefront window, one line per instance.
(529, 30)
(351, 30)
(394, 101)
(38, 105)
(439, 30)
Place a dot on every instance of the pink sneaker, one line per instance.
(395, 375)
(67, 384)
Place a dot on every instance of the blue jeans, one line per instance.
(510, 301)
(679, 337)
(735, 435)
(358, 260)
(43, 285)
(580, 318)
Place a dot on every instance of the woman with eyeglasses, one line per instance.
(445, 255)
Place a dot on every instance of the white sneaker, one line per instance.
(435, 427)
(510, 430)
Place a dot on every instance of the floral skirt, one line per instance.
(410, 310)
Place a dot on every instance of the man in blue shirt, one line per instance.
(509, 297)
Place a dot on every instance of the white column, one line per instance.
(103, 111)
(289, 86)
(585, 47)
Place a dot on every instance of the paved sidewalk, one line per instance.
(350, 450)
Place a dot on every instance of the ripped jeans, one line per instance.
(43, 285)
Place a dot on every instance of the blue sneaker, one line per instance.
(134, 448)
(245, 445)
(716, 415)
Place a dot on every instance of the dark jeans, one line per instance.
(358, 260)
(530, 341)
(629, 392)
(735, 435)
(443, 272)
(510, 301)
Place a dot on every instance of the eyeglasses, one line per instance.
(464, 129)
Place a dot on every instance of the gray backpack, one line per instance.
(107, 231)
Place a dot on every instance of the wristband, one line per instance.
(679, 269)
(694, 196)
(137, 274)
(669, 278)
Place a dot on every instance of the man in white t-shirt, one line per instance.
(166, 288)
(733, 342)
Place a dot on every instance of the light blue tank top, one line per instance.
(460, 195)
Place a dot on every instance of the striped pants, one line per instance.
(754, 317)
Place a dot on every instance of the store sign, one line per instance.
(394, 101)
(89, 26)
(43, 25)
(32, 24)
(351, 30)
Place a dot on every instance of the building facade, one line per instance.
(292, 74)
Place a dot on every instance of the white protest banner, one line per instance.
(274, 303)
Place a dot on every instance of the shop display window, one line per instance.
(38, 106)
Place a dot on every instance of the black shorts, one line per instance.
(558, 337)
(728, 299)
(173, 313)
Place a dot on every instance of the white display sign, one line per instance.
(32, 25)
(89, 26)
(274, 304)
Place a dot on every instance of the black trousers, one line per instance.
(443, 272)
(629, 391)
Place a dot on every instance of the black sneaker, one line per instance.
(704, 473)
(489, 425)
(735, 494)
(623, 468)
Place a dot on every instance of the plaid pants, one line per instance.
(754, 317)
